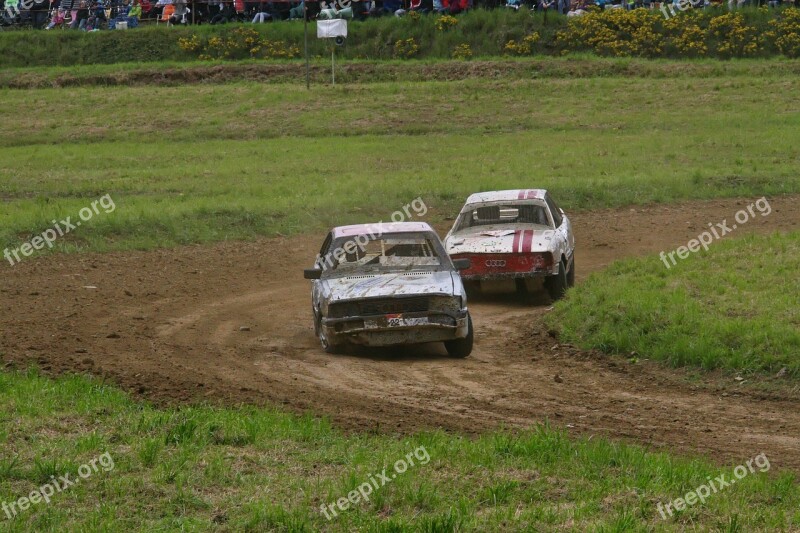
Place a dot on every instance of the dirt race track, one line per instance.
(166, 325)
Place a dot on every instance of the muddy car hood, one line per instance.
(396, 284)
(500, 241)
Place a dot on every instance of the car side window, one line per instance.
(557, 218)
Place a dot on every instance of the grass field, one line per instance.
(213, 162)
(247, 469)
(734, 307)
(209, 162)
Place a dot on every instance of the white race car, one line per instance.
(516, 234)
(388, 284)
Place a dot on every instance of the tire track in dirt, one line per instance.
(230, 323)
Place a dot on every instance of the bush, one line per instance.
(641, 33)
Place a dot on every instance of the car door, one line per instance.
(317, 294)
(566, 240)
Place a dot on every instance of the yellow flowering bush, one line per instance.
(523, 47)
(735, 38)
(238, 44)
(615, 32)
(786, 32)
(462, 51)
(406, 48)
(445, 22)
(690, 41)
(190, 44)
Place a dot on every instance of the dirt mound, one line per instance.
(231, 323)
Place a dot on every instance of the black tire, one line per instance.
(326, 345)
(571, 274)
(473, 288)
(557, 285)
(461, 348)
(521, 287)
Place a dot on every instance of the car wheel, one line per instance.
(557, 285)
(521, 287)
(571, 275)
(472, 288)
(323, 340)
(461, 347)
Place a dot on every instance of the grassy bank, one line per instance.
(231, 161)
(733, 307)
(478, 33)
(249, 469)
(584, 65)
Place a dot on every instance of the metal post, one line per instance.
(305, 40)
(333, 65)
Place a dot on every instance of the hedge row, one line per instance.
(708, 33)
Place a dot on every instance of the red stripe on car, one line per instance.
(527, 240)
(516, 241)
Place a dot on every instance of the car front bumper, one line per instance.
(389, 330)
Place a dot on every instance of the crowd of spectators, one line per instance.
(93, 15)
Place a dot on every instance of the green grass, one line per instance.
(205, 163)
(733, 307)
(251, 469)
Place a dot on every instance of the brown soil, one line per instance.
(168, 326)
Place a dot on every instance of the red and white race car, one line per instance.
(517, 234)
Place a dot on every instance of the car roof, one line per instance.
(504, 196)
(380, 228)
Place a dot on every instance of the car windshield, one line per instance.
(382, 254)
(504, 214)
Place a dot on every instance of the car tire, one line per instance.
(326, 345)
(472, 288)
(571, 275)
(557, 285)
(461, 347)
(521, 287)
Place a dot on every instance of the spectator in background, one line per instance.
(262, 16)
(297, 11)
(438, 6)
(421, 6)
(390, 7)
(39, 11)
(456, 6)
(158, 9)
(97, 17)
(80, 16)
(58, 19)
(10, 11)
(226, 14)
(147, 9)
(181, 14)
(134, 13)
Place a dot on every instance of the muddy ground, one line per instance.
(231, 323)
